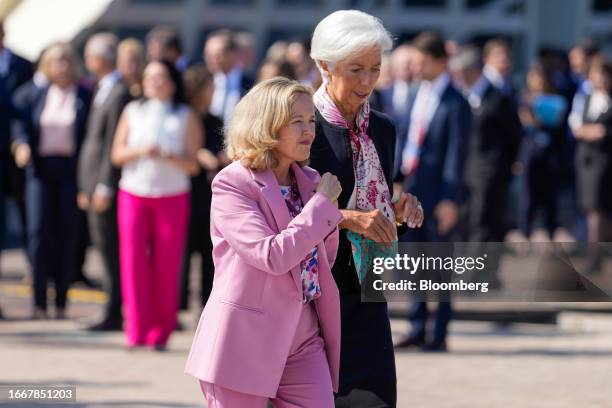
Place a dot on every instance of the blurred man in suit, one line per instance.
(130, 64)
(6, 114)
(401, 60)
(403, 90)
(13, 68)
(396, 77)
(97, 177)
(164, 43)
(222, 57)
(495, 139)
(433, 154)
(494, 142)
(580, 59)
(14, 72)
(498, 65)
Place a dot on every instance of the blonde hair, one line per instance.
(130, 47)
(59, 51)
(253, 130)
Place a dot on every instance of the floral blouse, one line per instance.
(310, 264)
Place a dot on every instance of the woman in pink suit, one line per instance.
(271, 327)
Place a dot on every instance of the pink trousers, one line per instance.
(152, 234)
(305, 383)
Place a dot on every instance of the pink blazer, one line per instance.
(247, 327)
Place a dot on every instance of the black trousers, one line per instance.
(367, 360)
(52, 210)
(3, 182)
(487, 210)
(418, 313)
(198, 241)
(104, 234)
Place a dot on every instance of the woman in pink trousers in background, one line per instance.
(155, 145)
(271, 327)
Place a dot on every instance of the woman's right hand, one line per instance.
(207, 160)
(329, 186)
(23, 155)
(150, 152)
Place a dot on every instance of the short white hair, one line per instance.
(103, 45)
(344, 33)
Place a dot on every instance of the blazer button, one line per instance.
(329, 223)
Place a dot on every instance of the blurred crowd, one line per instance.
(76, 131)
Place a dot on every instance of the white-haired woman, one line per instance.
(357, 144)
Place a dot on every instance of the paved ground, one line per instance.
(523, 365)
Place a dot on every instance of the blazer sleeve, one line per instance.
(456, 153)
(512, 127)
(23, 101)
(331, 246)
(238, 218)
(606, 121)
(109, 174)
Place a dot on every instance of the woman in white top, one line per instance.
(155, 145)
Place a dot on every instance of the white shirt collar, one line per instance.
(5, 60)
(40, 80)
(438, 85)
(104, 87)
(109, 80)
(234, 77)
(231, 77)
(496, 79)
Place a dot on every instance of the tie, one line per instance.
(410, 159)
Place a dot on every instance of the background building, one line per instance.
(530, 25)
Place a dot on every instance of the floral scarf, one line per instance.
(371, 190)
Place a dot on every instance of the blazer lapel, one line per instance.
(270, 190)
(342, 163)
(39, 106)
(337, 138)
(306, 186)
(436, 119)
(382, 146)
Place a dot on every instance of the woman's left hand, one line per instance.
(409, 210)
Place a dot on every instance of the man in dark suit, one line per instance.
(433, 153)
(6, 114)
(494, 142)
(221, 54)
(14, 69)
(14, 72)
(5, 119)
(164, 43)
(97, 177)
(403, 92)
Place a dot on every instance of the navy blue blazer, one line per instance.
(19, 72)
(443, 153)
(6, 115)
(29, 102)
(331, 152)
(367, 364)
